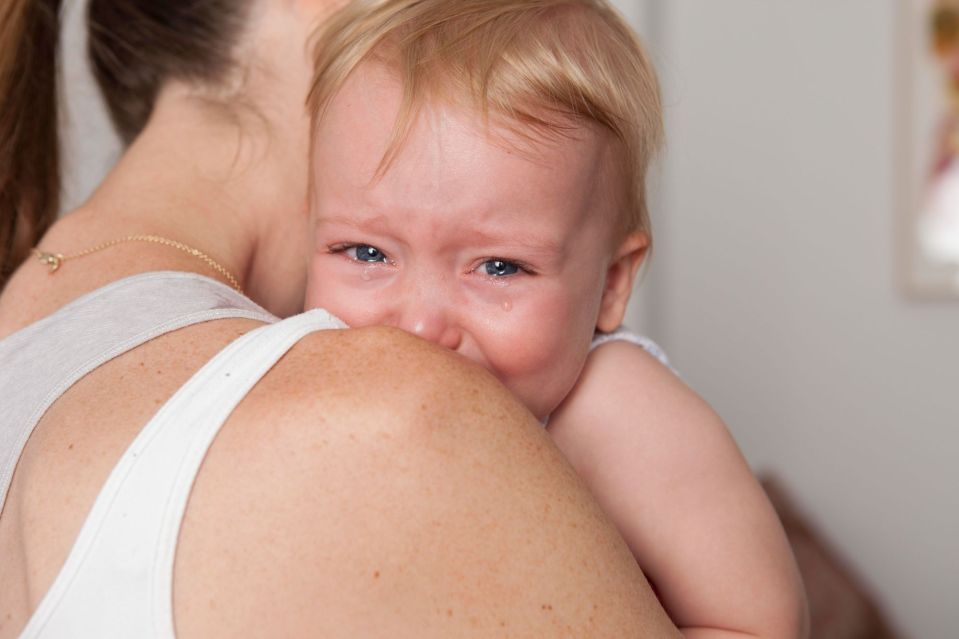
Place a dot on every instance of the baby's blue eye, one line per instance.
(501, 268)
(367, 253)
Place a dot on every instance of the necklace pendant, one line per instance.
(52, 260)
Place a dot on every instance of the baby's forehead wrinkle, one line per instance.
(438, 124)
(519, 233)
(421, 158)
(358, 221)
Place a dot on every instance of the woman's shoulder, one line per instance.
(347, 465)
(373, 374)
(359, 482)
(364, 392)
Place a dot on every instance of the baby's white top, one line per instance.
(623, 334)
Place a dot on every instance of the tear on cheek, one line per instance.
(364, 275)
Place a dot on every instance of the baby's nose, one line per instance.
(433, 324)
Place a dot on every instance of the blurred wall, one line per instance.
(90, 146)
(773, 284)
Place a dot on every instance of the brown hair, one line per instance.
(29, 158)
(541, 65)
(135, 47)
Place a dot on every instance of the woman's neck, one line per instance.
(232, 187)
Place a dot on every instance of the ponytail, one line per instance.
(29, 145)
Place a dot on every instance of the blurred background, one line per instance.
(776, 284)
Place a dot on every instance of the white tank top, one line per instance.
(117, 580)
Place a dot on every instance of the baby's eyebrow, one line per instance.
(527, 239)
(364, 223)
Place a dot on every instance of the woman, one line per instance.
(366, 484)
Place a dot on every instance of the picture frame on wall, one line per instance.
(928, 232)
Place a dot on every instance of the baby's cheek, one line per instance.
(538, 362)
(517, 330)
(325, 289)
(312, 297)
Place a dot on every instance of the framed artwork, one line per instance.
(929, 207)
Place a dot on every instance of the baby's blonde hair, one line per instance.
(542, 66)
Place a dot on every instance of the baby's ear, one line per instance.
(619, 280)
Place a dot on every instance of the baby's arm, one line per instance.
(666, 470)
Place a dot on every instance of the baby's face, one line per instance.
(497, 254)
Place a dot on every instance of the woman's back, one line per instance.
(43, 512)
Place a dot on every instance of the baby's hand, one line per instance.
(666, 470)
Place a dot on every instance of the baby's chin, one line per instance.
(540, 407)
(547, 397)
(541, 388)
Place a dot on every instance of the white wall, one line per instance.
(773, 283)
(90, 145)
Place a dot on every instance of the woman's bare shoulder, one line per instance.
(368, 485)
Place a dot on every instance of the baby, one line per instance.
(478, 181)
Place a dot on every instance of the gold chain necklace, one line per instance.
(55, 260)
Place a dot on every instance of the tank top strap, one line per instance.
(118, 578)
(42, 361)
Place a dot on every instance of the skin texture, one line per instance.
(506, 253)
(648, 445)
(334, 502)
